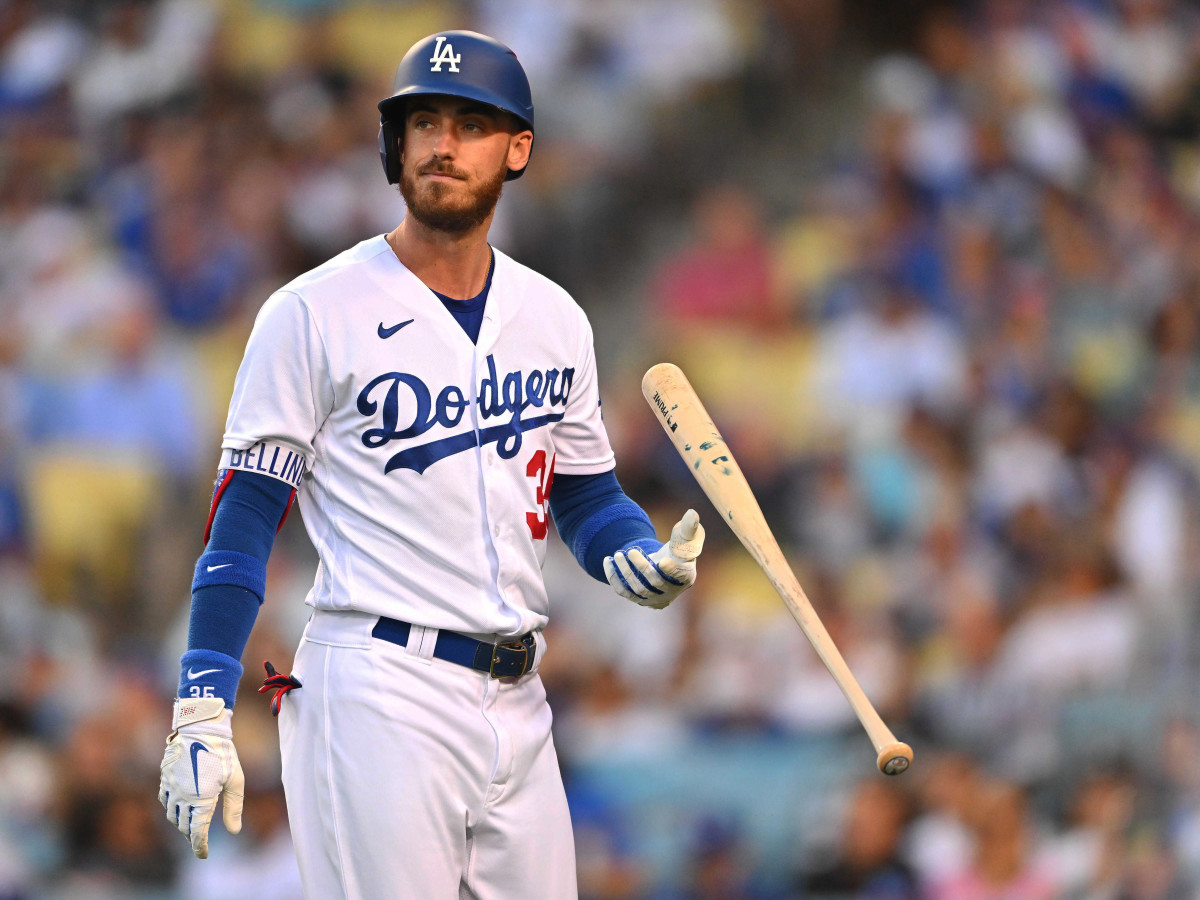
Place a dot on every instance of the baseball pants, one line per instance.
(413, 778)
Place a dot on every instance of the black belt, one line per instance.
(507, 659)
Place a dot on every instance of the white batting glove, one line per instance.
(200, 764)
(659, 578)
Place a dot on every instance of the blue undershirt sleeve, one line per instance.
(595, 519)
(229, 583)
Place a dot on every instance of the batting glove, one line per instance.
(200, 764)
(659, 578)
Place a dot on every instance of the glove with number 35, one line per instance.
(200, 764)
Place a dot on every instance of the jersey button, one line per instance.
(496, 531)
(491, 458)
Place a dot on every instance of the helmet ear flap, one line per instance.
(389, 150)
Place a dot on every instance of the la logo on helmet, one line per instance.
(444, 53)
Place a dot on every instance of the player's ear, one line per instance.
(520, 145)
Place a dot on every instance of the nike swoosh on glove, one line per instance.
(200, 764)
(659, 578)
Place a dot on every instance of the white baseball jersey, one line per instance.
(423, 462)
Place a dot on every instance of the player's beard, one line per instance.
(437, 206)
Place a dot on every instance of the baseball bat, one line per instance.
(698, 441)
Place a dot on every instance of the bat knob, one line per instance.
(894, 758)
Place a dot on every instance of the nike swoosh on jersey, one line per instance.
(386, 333)
(221, 566)
(196, 748)
(192, 674)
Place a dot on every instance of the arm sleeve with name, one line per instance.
(595, 519)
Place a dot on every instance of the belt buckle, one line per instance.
(509, 645)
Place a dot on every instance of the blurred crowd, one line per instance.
(935, 272)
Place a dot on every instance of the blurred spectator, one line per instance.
(961, 697)
(1152, 870)
(62, 289)
(1179, 802)
(879, 363)
(120, 847)
(737, 634)
(41, 53)
(867, 864)
(834, 522)
(146, 54)
(1079, 631)
(604, 722)
(1090, 855)
(1021, 467)
(26, 796)
(607, 863)
(725, 274)
(938, 843)
(1005, 857)
(162, 214)
(1150, 531)
(719, 866)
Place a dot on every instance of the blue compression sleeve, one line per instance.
(229, 583)
(595, 519)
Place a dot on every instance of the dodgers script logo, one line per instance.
(444, 53)
(511, 394)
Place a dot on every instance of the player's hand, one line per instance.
(659, 578)
(200, 765)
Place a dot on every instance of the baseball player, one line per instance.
(432, 403)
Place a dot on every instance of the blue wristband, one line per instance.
(230, 567)
(617, 527)
(207, 673)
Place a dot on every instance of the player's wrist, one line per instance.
(649, 546)
(202, 714)
(209, 674)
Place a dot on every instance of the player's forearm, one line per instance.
(230, 582)
(595, 519)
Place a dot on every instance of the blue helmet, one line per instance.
(458, 64)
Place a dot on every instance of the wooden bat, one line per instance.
(698, 441)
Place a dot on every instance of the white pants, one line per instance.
(412, 778)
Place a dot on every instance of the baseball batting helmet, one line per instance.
(458, 64)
